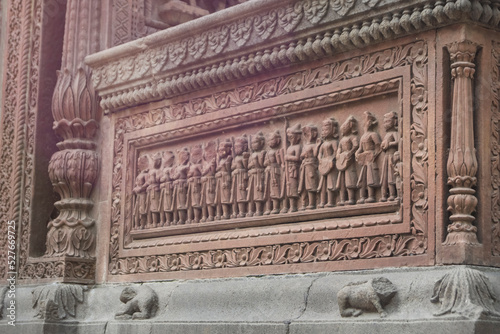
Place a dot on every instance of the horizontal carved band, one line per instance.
(121, 82)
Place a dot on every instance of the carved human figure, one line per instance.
(167, 189)
(398, 173)
(292, 169)
(223, 180)
(140, 204)
(309, 176)
(209, 165)
(180, 175)
(326, 157)
(366, 155)
(389, 146)
(256, 175)
(239, 167)
(349, 143)
(194, 185)
(274, 162)
(154, 193)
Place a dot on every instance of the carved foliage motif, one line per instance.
(414, 55)
(306, 252)
(307, 79)
(73, 170)
(57, 302)
(495, 149)
(19, 112)
(465, 291)
(342, 6)
(77, 270)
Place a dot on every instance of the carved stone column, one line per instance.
(73, 170)
(462, 162)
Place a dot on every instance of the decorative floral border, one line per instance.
(414, 55)
(495, 149)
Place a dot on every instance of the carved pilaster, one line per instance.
(462, 162)
(73, 170)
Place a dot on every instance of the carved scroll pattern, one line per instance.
(18, 122)
(30, 140)
(295, 82)
(495, 149)
(415, 55)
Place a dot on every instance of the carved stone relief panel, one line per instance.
(324, 163)
(276, 172)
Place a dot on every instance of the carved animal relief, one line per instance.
(139, 303)
(368, 296)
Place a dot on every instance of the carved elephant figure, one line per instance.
(139, 303)
(368, 296)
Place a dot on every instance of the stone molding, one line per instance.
(173, 68)
(22, 49)
(495, 149)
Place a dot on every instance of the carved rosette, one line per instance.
(462, 162)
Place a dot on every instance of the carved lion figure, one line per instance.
(371, 296)
(139, 303)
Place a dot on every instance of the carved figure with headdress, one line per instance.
(239, 168)
(366, 155)
(389, 147)
(292, 169)
(326, 156)
(256, 174)
(345, 163)
(140, 205)
(167, 189)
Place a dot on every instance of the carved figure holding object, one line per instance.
(167, 189)
(239, 168)
(367, 296)
(389, 147)
(181, 185)
(154, 193)
(309, 176)
(140, 204)
(256, 176)
(194, 185)
(223, 180)
(292, 169)
(273, 161)
(139, 303)
(349, 143)
(366, 156)
(208, 199)
(326, 159)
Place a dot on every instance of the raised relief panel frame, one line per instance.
(389, 78)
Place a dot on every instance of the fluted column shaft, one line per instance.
(462, 162)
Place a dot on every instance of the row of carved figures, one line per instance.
(227, 180)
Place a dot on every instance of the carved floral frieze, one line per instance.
(413, 55)
(119, 92)
(495, 149)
